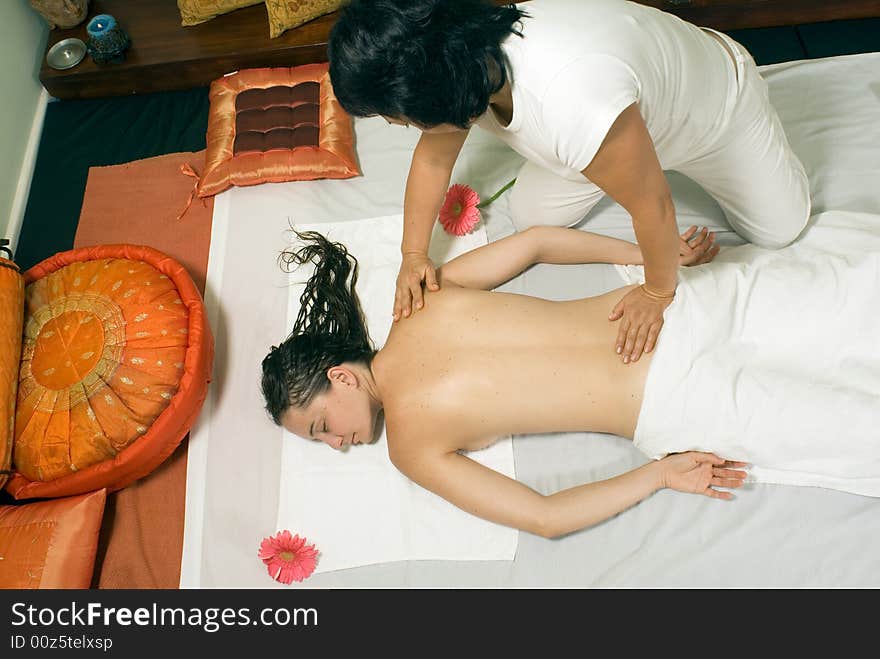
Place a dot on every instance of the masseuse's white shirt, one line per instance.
(580, 63)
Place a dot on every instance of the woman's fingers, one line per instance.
(700, 244)
(402, 302)
(724, 476)
(698, 239)
(629, 344)
(717, 460)
(717, 494)
(687, 235)
(726, 482)
(705, 243)
(721, 472)
(415, 292)
(652, 337)
(641, 340)
(635, 343)
(622, 332)
(645, 337)
(640, 322)
(616, 313)
(701, 457)
(431, 279)
(697, 247)
(415, 268)
(708, 255)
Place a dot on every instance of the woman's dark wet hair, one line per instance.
(329, 329)
(428, 61)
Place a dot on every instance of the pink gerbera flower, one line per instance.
(459, 213)
(288, 558)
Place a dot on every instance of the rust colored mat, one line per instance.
(139, 203)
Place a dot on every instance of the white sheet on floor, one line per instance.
(770, 536)
(771, 357)
(357, 507)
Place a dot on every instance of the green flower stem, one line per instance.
(495, 196)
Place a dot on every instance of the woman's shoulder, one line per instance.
(414, 430)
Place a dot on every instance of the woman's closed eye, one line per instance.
(321, 429)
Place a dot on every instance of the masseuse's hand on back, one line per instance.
(429, 174)
(415, 268)
(641, 310)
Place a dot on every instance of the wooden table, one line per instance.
(165, 56)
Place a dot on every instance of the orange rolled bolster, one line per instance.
(11, 317)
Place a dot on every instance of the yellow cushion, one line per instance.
(287, 14)
(193, 12)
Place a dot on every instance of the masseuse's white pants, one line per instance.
(749, 169)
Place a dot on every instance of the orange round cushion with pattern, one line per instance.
(115, 365)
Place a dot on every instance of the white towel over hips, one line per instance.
(773, 358)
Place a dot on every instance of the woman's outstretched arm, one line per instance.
(491, 265)
(497, 498)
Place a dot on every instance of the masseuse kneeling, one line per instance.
(600, 97)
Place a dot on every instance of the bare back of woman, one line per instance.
(483, 365)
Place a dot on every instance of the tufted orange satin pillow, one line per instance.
(51, 544)
(274, 125)
(115, 366)
(11, 314)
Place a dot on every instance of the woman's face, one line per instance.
(340, 417)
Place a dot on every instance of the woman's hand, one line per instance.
(700, 473)
(642, 314)
(697, 248)
(642, 319)
(415, 268)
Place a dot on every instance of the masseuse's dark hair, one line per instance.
(329, 329)
(423, 60)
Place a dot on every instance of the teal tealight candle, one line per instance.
(107, 40)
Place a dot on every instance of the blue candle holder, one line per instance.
(107, 40)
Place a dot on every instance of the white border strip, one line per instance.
(25, 175)
(199, 437)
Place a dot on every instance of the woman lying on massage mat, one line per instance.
(471, 367)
